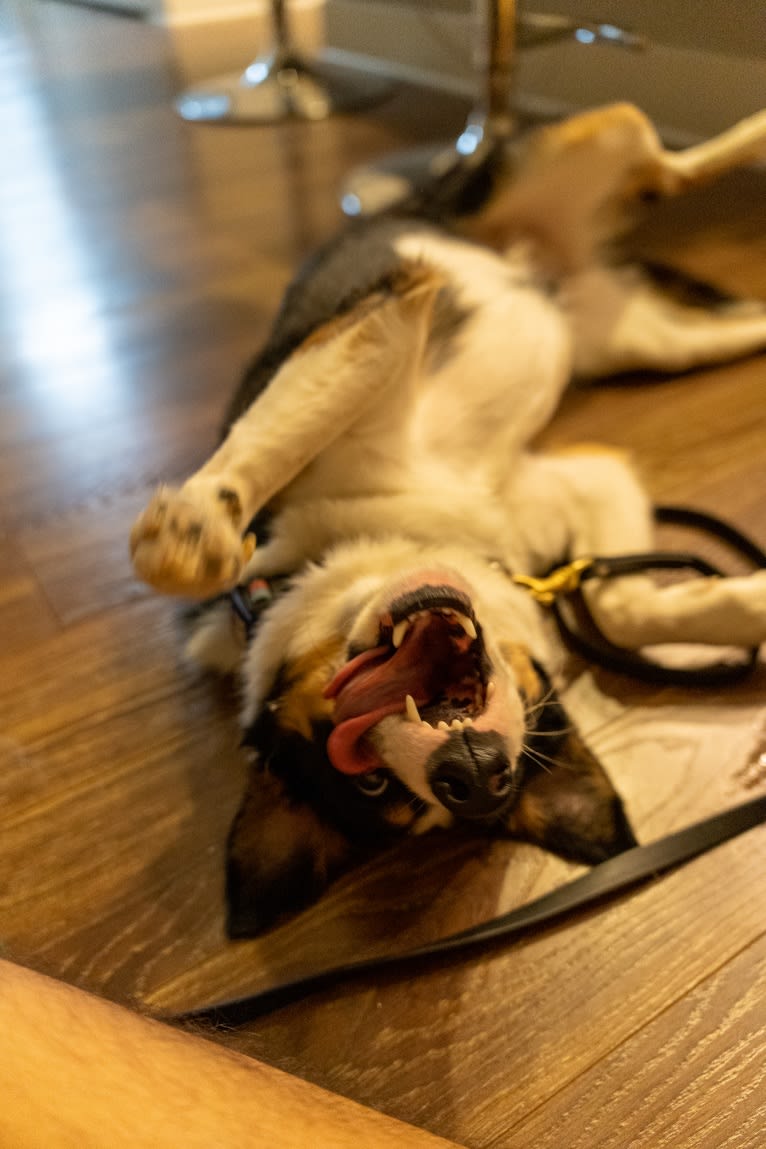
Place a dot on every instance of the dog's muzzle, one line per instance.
(471, 775)
(428, 665)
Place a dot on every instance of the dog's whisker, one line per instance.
(557, 733)
(533, 754)
(541, 758)
(547, 699)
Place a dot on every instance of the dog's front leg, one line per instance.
(189, 540)
(635, 612)
(610, 514)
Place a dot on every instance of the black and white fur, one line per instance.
(384, 433)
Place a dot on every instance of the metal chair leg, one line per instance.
(374, 187)
(281, 85)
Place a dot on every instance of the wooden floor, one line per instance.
(141, 262)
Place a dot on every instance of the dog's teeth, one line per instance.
(490, 690)
(412, 710)
(442, 726)
(468, 721)
(467, 624)
(400, 630)
(456, 724)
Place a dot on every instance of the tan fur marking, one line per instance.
(588, 126)
(520, 662)
(402, 815)
(592, 449)
(620, 125)
(302, 702)
(528, 816)
(618, 143)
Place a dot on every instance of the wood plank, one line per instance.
(132, 759)
(26, 614)
(469, 1051)
(694, 1076)
(691, 443)
(81, 559)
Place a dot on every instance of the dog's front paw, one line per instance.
(188, 542)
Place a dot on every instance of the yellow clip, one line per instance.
(563, 580)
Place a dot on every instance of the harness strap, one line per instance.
(602, 882)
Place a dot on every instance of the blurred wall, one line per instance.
(735, 27)
(705, 67)
(211, 11)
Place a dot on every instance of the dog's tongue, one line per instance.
(376, 683)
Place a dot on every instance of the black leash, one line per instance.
(608, 878)
(602, 882)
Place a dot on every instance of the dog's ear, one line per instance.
(281, 856)
(567, 803)
(569, 806)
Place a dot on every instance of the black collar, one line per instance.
(250, 599)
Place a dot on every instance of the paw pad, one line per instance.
(186, 542)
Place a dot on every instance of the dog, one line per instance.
(400, 678)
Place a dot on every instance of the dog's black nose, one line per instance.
(471, 774)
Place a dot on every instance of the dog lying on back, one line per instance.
(398, 680)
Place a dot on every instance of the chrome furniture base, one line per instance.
(373, 187)
(280, 87)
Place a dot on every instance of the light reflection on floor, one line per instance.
(51, 316)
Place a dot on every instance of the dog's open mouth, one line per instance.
(429, 664)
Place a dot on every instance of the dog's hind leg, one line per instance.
(573, 185)
(743, 143)
(609, 514)
(623, 320)
(574, 179)
(357, 369)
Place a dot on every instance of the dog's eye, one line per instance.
(372, 785)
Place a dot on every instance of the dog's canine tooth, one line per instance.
(412, 710)
(490, 690)
(401, 628)
(466, 623)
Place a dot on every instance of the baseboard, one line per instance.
(689, 93)
(178, 12)
(136, 9)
